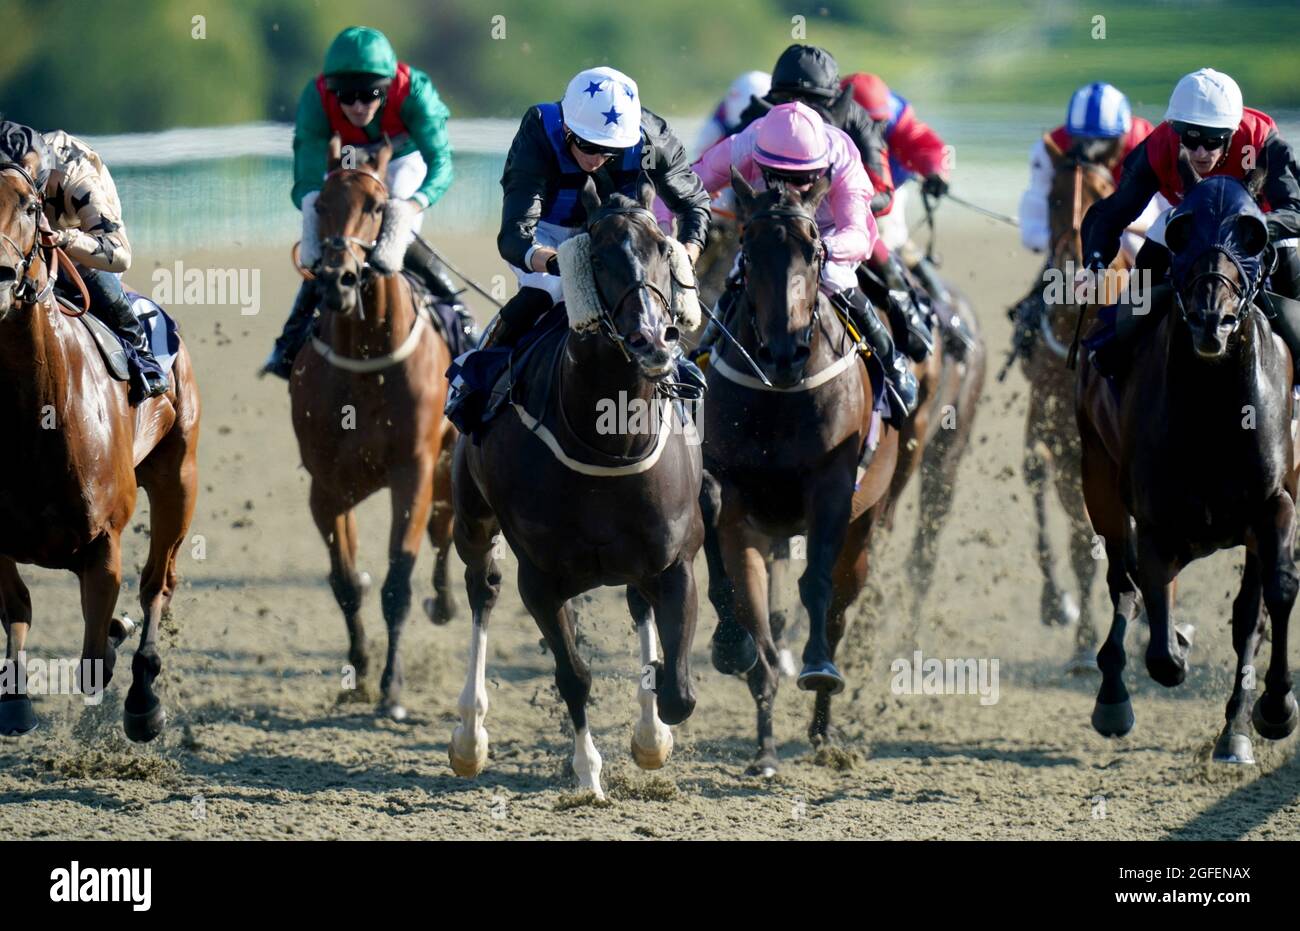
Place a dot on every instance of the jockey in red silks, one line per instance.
(792, 145)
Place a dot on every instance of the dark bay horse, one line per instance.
(582, 505)
(786, 457)
(1052, 454)
(1196, 453)
(76, 452)
(367, 398)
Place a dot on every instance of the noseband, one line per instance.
(783, 212)
(26, 291)
(1244, 294)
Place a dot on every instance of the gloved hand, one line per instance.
(935, 185)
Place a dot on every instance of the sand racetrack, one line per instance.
(259, 743)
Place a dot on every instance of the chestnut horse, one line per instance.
(786, 455)
(76, 453)
(1052, 454)
(367, 397)
(1196, 452)
(582, 505)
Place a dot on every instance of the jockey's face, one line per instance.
(361, 112)
(1204, 160)
(1205, 146)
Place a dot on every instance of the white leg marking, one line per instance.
(652, 740)
(469, 742)
(586, 763)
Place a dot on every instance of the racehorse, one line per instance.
(1196, 452)
(583, 505)
(1052, 452)
(76, 454)
(367, 396)
(788, 455)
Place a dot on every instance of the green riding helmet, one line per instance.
(359, 57)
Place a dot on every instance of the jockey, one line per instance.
(1206, 131)
(794, 146)
(1100, 127)
(810, 75)
(82, 208)
(599, 130)
(725, 120)
(363, 95)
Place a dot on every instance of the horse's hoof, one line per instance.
(17, 717)
(440, 610)
(1234, 748)
(1184, 633)
(1083, 663)
(785, 662)
(764, 767)
(394, 711)
(467, 765)
(733, 657)
(651, 751)
(1169, 671)
(1113, 720)
(821, 677)
(144, 726)
(1276, 730)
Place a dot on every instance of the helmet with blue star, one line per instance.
(602, 106)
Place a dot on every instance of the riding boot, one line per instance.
(905, 311)
(421, 260)
(108, 302)
(898, 373)
(1282, 305)
(517, 317)
(294, 335)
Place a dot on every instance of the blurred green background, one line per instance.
(113, 66)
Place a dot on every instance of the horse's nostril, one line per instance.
(801, 353)
(348, 279)
(8, 276)
(637, 340)
(672, 334)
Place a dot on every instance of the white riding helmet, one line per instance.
(749, 84)
(602, 105)
(1206, 98)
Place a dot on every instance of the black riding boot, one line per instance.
(108, 302)
(294, 334)
(517, 317)
(897, 371)
(1285, 320)
(893, 292)
(421, 260)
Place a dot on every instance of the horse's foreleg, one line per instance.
(1166, 655)
(475, 532)
(829, 507)
(744, 552)
(337, 524)
(1056, 606)
(16, 713)
(652, 740)
(731, 649)
(101, 580)
(411, 494)
(1069, 490)
(781, 610)
(572, 676)
(1275, 714)
(1234, 744)
(441, 609)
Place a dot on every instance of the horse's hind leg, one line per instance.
(572, 677)
(781, 582)
(16, 713)
(1275, 714)
(1056, 606)
(411, 493)
(1234, 745)
(170, 477)
(441, 609)
(475, 531)
(337, 524)
(652, 740)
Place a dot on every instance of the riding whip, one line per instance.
(459, 274)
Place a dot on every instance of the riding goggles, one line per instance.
(1193, 136)
(360, 95)
(592, 148)
(796, 178)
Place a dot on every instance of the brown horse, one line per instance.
(1195, 452)
(76, 453)
(787, 456)
(367, 397)
(1052, 454)
(584, 504)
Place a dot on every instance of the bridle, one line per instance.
(1244, 294)
(1074, 230)
(607, 311)
(26, 291)
(785, 212)
(347, 243)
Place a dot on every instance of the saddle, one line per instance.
(441, 315)
(120, 357)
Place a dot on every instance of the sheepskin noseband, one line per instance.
(583, 303)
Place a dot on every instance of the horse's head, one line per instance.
(20, 216)
(350, 214)
(631, 270)
(782, 253)
(1080, 179)
(1217, 238)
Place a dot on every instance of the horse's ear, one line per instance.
(646, 192)
(812, 197)
(590, 197)
(335, 156)
(1251, 233)
(744, 194)
(1178, 231)
(1186, 173)
(383, 157)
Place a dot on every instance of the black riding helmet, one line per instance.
(16, 140)
(806, 69)
(357, 81)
